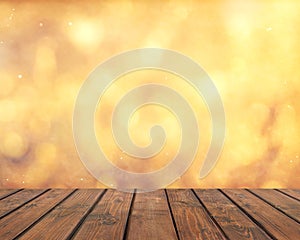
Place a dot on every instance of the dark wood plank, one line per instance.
(230, 218)
(6, 192)
(64, 217)
(150, 217)
(14, 201)
(280, 201)
(192, 220)
(19, 220)
(295, 193)
(108, 219)
(276, 223)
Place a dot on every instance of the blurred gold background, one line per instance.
(249, 48)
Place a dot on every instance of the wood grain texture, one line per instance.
(295, 193)
(151, 218)
(7, 192)
(12, 202)
(231, 219)
(19, 220)
(164, 214)
(108, 219)
(64, 217)
(192, 220)
(289, 206)
(276, 223)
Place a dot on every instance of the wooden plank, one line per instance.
(6, 192)
(16, 200)
(192, 220)
(65, 216)
(231, 219)
(289, 206)
(150, 217)
(295, 193)
(18, 221)
(276, 223)
(108, 219)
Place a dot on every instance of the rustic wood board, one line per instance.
(162, 214)
(65, 216)
(276, 223)
(294, 193)
(283, 203)
(191, 218)
(150, 217)
(108, 219)
(231, 219)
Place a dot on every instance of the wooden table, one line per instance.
(164, 214)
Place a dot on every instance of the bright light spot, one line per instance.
(239, 25)
(1, 42)
(81, 179)
(41, 24)
(70, 23)
(268, 29)
(20, 76)
(87, 35)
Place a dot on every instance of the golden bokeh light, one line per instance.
(250, 49)
(86, 34)
(13, 145)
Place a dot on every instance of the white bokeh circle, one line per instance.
(103, 76)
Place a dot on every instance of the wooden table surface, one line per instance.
(164, 214)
